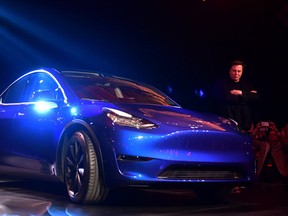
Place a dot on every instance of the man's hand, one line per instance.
(236, 92)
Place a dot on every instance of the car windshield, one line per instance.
(111, 89)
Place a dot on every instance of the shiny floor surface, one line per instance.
(27, 198)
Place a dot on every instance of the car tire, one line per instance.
(82, 177)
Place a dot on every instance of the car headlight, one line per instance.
(125, 119)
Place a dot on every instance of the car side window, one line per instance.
(14, 93)
(43, 87)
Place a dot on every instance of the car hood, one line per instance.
(179, 117)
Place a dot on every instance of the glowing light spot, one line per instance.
(139, 137)
(201, 93)
(74, 111)
(44, 107)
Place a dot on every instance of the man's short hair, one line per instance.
(237, 62)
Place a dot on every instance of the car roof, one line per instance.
(96, 74)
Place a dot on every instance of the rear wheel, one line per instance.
(82, 178)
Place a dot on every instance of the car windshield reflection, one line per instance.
(116, 90)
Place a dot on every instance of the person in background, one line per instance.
(284, 138)
(234, 96)
(270, 146)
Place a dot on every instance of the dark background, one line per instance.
(179, 46)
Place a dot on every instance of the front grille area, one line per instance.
(201, 172)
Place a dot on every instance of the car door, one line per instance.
(9, 106)
(36, 122)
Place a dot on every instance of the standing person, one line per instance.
(284, 138)
(234, 96)
(269, 145)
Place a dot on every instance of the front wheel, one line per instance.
(82, 178)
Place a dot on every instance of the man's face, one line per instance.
(236, 72)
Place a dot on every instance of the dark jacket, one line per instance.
(237, 107)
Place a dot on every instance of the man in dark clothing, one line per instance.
(234, 97)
